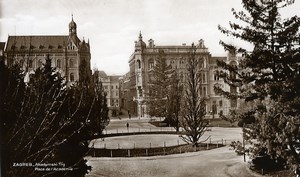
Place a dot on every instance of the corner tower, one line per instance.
(72, 28)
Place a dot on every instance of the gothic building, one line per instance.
(141, 64)
(67, 52)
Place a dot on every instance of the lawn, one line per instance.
(212, 123)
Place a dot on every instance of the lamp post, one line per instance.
(244, 142)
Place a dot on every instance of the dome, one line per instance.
(72, 24)
(140, 42)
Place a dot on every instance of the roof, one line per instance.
(102, 74)
(140, 42)
(213, 60)
(114, 78)
(37, 42)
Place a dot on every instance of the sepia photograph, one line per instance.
(150, 88)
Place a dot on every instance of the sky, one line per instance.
(112, 26)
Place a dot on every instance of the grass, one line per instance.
(140, 152)
(221, 123)
(212, 123)
(277, 173)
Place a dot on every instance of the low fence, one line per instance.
(137, 130)
(149, 150)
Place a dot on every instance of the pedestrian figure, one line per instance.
(129, 115)
(127, 124)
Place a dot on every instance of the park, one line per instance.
(222, 161)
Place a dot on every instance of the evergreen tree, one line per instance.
(84, 73)
(174, 102)
(46, 122)
(268, 76)
(193, 113)
(158, 87)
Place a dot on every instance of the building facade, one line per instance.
(127, 93)
(68, 53)
(2, 47)
(111, 86)
(141, 65)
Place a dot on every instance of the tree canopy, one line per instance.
(194, 104)
(159, 85)
(268, 76)
(44, 121)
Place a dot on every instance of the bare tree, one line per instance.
(193, 118)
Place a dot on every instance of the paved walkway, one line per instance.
(117, 126)
(220, 162)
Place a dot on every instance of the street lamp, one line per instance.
(244, 142)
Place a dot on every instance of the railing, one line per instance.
(138, 130)
(148, 149)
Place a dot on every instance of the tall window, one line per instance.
(204, 91)
(216, 75)
(181, 76)
(21, 63)
(30, 63)
(40, 63)
(214, 108)
(202, 64)
(71, 64)
(139, 63)
(151, 64)
(233, 103)
(58, 63)
(72, 77)
(201, 92)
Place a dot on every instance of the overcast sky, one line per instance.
(112, 26)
